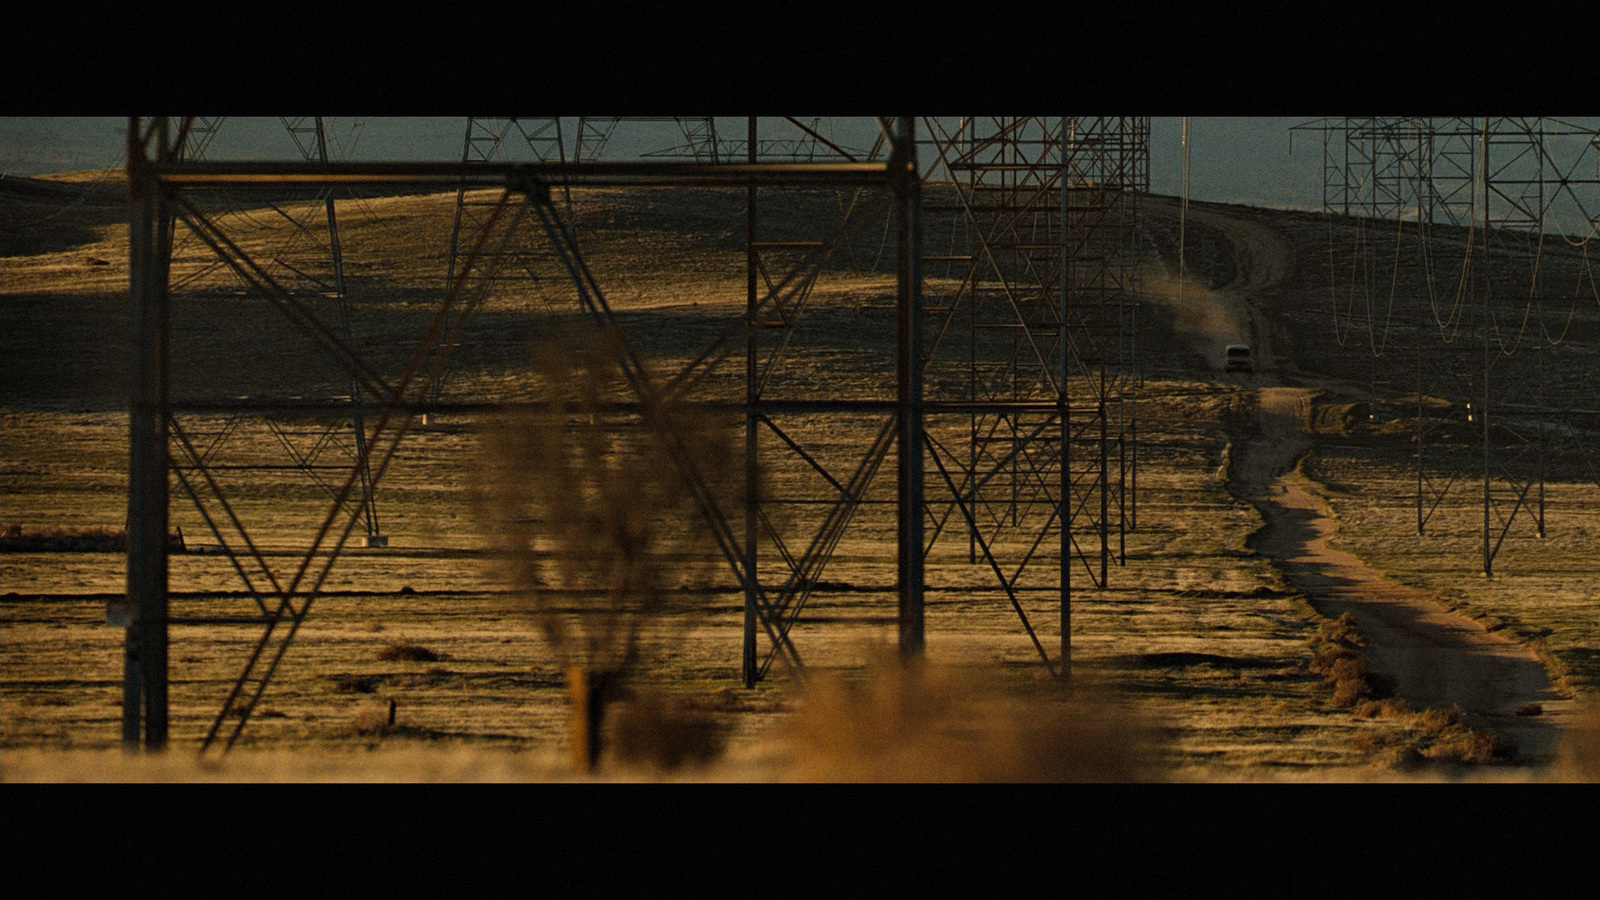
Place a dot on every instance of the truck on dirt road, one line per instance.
(1238, 358)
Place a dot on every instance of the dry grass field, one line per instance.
(1197, 662)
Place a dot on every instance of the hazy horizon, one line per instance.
(1256, 161)
(1244, 160)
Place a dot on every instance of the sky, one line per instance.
(1256, 161)
(1232, 159)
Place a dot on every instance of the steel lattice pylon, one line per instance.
(1510, 182)
(499, 140)
(305, 258)
(1041, 291)
(1053, 281)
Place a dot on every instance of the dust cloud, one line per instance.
(913, 722)
(1207, 320)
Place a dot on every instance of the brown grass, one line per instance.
(366, 761)
(1113, 627)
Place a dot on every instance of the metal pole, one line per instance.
(1133, 420)
(907, 184)
(369, 510)
(1064, 518)
(1488, 555)
(145, 647)
(1542, 375)
(1421, 434)
(1105, 487)
(1064, 513)
(751, 667)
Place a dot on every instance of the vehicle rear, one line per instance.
(1238, 358)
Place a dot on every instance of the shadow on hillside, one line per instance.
(38, 217)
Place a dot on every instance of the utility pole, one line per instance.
(144, 686)
(907, 185)
(1488, 554)
(751, 666)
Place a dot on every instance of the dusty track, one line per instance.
(1435, 658)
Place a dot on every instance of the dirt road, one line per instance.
(1434, 658)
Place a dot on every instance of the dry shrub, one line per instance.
(1350, 691)
(373, 718)
(597, 505)
(1465, 746)
(1341, 632)
(1454, 743)
(1323, 662)
(1438, 718)
(913, 723)
(595, 521)
(1436, 736)
(660, 731)
(407, 653)
(1347, 675)
(1387, 750)
(1387, 708)
(1345, 669)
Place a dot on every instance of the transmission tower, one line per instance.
(306, 258)
(1043, 287)
(1002, 399)
(1509, 182)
